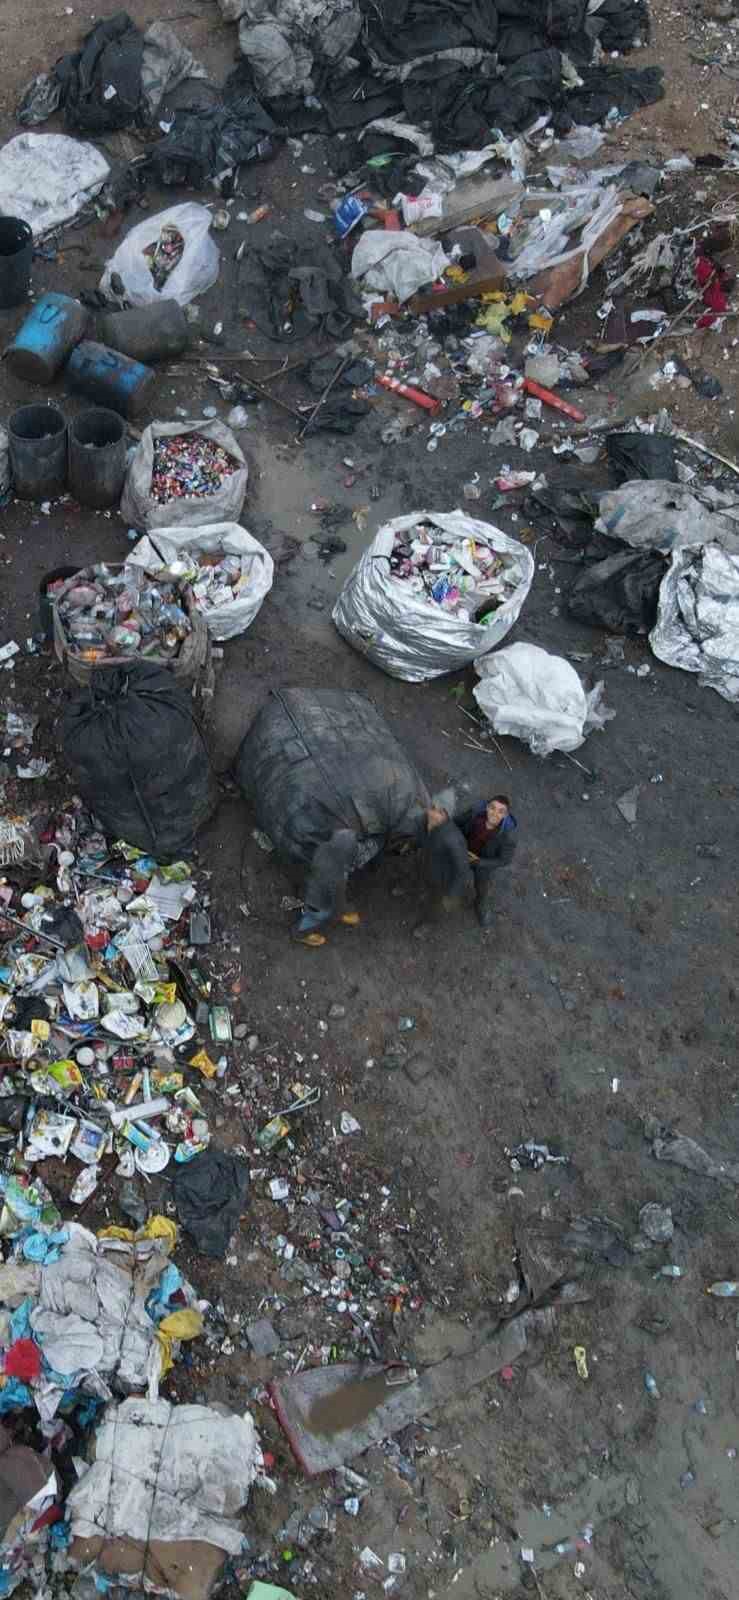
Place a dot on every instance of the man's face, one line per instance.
(495, 811)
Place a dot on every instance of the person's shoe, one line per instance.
(313, 940)
(486, 917)
(350, 919)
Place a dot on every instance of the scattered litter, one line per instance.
(627, 803)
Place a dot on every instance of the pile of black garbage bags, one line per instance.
(459, 69)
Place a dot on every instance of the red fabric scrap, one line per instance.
(23, 1360)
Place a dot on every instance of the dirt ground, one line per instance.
(604, 995)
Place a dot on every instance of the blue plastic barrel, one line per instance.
(109, 378)
(43, 342)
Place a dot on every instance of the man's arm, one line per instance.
(500, 850)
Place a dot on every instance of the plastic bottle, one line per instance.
(724, 1290)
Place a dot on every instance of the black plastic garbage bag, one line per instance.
(641, 455)
(210, 1194)
(207, 140)
(110, 60)
(573, 511)
(315, 761)
(139, 758)
(621, 592)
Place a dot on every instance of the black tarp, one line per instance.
(316, 761)
(110, 59)
(210, 1194)
(621, 592)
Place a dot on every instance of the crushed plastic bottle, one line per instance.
(650, 1384)
(724, 1290)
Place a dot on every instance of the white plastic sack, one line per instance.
(697, 625)
(46, 178)
(397, 263)
(138, 508)
(195, 272)
(225, 538)
(536, 697)
(411, 637)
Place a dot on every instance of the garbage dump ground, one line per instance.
(406, 1262)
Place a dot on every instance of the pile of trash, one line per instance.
(343, 64)
(188, 466)
(433, 591)
(87, 1315)
(106, 611)
(102, 1000)
(469, 579)
(227, 573)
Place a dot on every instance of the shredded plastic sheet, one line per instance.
(165, 1481)
(537, 697)
(408, 635)
(697, 626)
(287, 42)
(46, 178)
(665, 516)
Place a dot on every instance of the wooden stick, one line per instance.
(683, 437)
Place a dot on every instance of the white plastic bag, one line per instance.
(138, 508)
(196, 271)
(538, 698)
(46, 178)
(224, 538)
(397, 263)
(410, 636)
